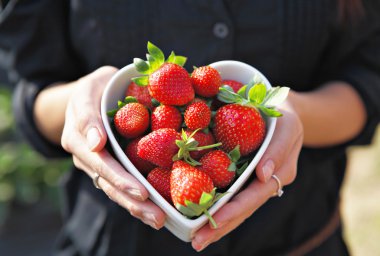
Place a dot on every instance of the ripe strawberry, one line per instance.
(220, 166)
(131, 120)
(203, 139)
(159, 147)
(180, 164)
(140, 93)
(192, 191)
(165, 116)
(235, 85)
(197, 116)
(206, 81)
(241, 124)
(131, 151)
(237, 125)
(159, 178)
(171, 85)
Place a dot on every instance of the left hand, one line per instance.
(280, 159)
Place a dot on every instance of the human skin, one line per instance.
(309, 119)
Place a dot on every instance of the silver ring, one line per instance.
(279, 191)
(95, 180)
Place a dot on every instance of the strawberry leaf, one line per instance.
(141, 80)
(112, 112)
(242, 91)
(235, 154)
(257, 93)
(232, 167)
(240, 170)
(141, 66)
(179, 60)
(130, 99)
(276, 96)
(270, 111)
(156, 53)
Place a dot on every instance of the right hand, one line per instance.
(84, 137)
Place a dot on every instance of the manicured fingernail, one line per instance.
(268, 169)
(150, 219)
(93, 138)
(135, 193)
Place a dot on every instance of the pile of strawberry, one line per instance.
(187, 132)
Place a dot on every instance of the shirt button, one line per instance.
(220, 30)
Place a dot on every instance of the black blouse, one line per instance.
(295, 43)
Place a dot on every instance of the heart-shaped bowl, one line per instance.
(181, 226)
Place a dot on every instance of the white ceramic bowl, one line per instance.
(178, 224)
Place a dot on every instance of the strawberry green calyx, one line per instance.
(120, 104)
(155, 59)
(188, 144)
(255, 94)
(205, 202)
(234, 156)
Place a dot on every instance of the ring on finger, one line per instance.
(95, 180)
(279, 191)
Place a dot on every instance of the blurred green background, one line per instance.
(29, 194)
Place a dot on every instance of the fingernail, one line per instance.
(135, 193)
(268, 169)
(201, 247)
(150, 219)
(93, 138)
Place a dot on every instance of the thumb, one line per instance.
(96, 139)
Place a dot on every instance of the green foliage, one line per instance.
(25, 176)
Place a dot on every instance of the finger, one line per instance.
(86, 106)
(146, 211)
(111, 170)
(244, 205)
(287, 133)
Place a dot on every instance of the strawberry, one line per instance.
(168, 82)
(206, 81)
(180, 164)
(220, 166)
(165, 116)
(171, 85)
(140, 93)
(131, 151)
(240, 123)
(197, 115)
(131, 119)
(235, 85)
(159, 178)
(159, 147)
(203, 139)
(192, 191)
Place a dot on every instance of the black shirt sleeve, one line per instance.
(361, 68)
(36, 52)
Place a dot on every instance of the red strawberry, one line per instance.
(131, 120)
(192, 191)
(159, 178)
(197, 116)
(206, 81)
(235, 85)
(165, 116)
(159, 147)
(219, 166)
(140, 93)
(239, 125)
(203, 139)
(131, 151)
(180, 164)
(171, 85)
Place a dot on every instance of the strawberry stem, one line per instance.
(211, 219)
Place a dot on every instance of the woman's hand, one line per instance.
(84, 137)
(280, 159)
